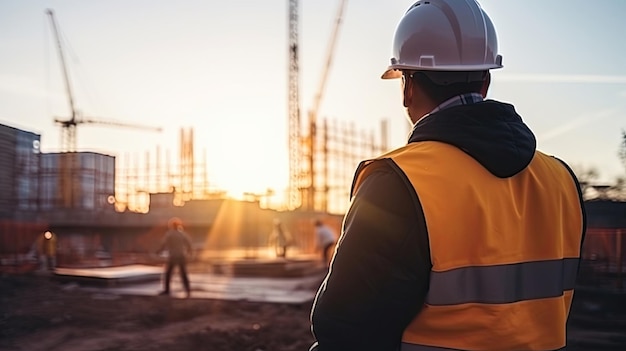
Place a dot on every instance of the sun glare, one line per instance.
(251, 173)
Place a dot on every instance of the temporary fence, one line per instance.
(17, 244)
(603, 258)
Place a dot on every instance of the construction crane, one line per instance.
(302, 184)
(332, 44)
(69, 189)
(313, 111)
(68, 126)
(293, 191)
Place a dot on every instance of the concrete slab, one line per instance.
(110, 275)
(208, 286)
(146, 281)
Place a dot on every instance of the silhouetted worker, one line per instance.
(47, 248)
(179, 248)
(324, 240)
(280, 238)
(467, 237)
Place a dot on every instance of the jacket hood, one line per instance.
(490, 131)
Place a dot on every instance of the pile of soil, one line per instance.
(38, 313)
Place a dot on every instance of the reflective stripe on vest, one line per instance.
(411, 347)
(502, 283)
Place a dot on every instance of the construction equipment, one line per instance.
(312, 190)
(293, 196)
(302, 182)
(69, 187)
(68, 131)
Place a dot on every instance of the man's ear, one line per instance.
(486, 82)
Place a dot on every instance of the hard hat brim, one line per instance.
(395, 71)
(391, 73)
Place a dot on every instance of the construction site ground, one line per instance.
(39, 311)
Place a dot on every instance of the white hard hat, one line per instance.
(444, 35)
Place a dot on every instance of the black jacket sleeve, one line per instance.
(379, 275)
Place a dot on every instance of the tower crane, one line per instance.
(69, 189)
(68, 126)
(313, 112)
(293, 190)
(302, 184)
(332, 44)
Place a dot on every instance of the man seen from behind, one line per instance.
(468, 237)
(179, 248)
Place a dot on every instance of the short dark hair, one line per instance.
(442, 92)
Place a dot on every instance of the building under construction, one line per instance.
(338, 149)
(116, 206)
(77, 196)
(19, 171)
(87, 184)
(106, 206)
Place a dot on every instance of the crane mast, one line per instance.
(302, 175)
(294, 197)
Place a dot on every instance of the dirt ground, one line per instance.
(38, 313)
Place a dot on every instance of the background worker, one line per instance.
(467, 238)
(280, 238)
(179, 248)
(47, 249)
(324, 241)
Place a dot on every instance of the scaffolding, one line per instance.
(186, 177)
(340, 148)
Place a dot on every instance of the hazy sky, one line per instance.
(221, 67)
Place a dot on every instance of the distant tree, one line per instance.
(618, 190)
(622, 149)
(586, 177)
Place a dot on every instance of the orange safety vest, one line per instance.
(504, 251)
